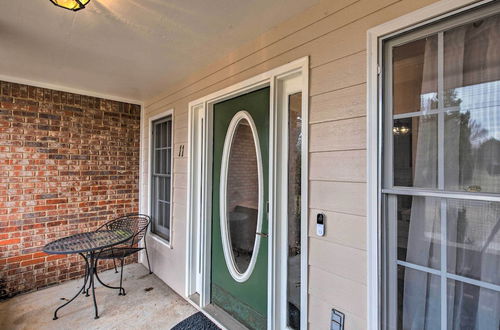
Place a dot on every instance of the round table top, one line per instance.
(88, 242)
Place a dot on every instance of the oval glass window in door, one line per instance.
(241, 196)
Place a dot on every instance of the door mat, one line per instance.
(197, 321)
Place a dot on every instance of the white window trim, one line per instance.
(225, 230)
(147, 207)
(270, 78)
(399, 25)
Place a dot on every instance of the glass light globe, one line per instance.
(74, 5)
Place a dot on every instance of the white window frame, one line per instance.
(423, 16)
(286, 88)
(158, 238)
(224, 222)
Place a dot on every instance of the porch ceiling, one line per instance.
(130, 49)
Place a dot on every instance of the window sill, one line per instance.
(161, 240)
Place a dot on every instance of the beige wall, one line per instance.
(333, 35)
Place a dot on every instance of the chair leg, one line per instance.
(114, 263)
(122, 290)
(147, 255)
(88, 288)
(87, 275)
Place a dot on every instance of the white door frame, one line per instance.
(415, 19)
(200, 221)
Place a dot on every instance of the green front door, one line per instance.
(239, 207)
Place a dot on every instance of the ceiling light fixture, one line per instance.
(73, 5)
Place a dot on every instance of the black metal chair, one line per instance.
(137, 224)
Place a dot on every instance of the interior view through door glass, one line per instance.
(242, 195)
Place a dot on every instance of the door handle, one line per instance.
(262, 234)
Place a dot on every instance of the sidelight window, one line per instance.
(294, 209)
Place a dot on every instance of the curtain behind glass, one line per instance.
(472, 74)
(421, 290)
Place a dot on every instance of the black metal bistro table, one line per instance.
(88, 245)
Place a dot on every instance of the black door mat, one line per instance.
(197, 321)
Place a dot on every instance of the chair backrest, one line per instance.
(136, 223)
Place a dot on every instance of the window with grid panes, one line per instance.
(441, 175)
(161, 177)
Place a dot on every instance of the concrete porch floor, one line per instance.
(158, 308)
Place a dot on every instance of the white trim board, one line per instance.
(60, 88)
(141, 177)
(399, 25)
(270, 78)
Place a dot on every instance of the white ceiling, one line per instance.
(130, 49)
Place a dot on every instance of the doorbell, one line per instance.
(320, 224)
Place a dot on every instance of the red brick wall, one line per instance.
(68, 163)
(243, 184)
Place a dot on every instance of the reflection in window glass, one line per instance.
(474, 239)
(471, 307)
(419, 234)
(416, 151)
(415, 74)
(472, 91)
(450, 144)
(242, 195)
(294, 202)
(470, 107)
(414, 67)
(419, 299)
